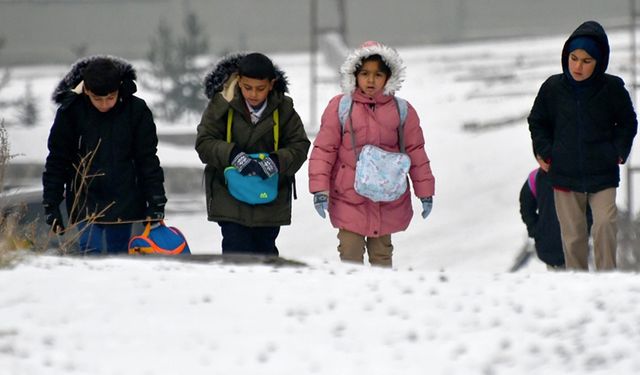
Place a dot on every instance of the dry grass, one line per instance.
(18, 236)
(8, 219)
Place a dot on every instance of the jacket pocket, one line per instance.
(343, 187)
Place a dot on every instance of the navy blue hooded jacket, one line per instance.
(585, 129)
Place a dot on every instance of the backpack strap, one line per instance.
(531, 180)
(344, 109)
(276, 127)
(403, 108)
(344, 112)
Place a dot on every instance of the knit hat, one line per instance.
(587, 44)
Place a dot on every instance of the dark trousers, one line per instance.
(238, 238)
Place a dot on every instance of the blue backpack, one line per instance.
(159, 239)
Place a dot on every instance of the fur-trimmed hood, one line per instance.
(223, 77)
(73, 78)
(354, 60)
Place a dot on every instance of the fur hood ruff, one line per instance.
(388, 54)
(73, 79)
(224, 77)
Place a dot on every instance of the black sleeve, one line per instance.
(626, 122)
(58, 168)
(528, 209)
(540, 125)
(146, 159)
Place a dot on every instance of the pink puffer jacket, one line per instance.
(332, 164)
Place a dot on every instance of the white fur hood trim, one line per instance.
(390, 57)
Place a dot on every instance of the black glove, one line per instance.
(269, 166)
(154, 212)
(53, 218)
(244, 163)
(248, 166)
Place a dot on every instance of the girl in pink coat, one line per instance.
(371, 75)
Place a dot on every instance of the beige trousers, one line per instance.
(352, 246)
(571, 208)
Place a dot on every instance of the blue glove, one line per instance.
(427, 205)
(321, 202)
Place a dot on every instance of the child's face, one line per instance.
(371, 79)
(255, 91)
(581, 65)
(103, 103)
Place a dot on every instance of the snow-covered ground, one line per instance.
(447, 307)
(117, 316)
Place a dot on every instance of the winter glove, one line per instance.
(321, 202)
(245, 164)
(269, 166)
(427, 205)
(53, 218)
(155, 211)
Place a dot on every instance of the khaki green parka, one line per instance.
(214, 151)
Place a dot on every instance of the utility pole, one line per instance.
(634, 86)
(317, 32)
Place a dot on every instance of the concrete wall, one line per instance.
(53, 31)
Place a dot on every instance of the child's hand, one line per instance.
(321, 203)
(544, 164)
(427, 205)
(269, 167)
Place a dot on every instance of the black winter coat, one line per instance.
(125, 176)
(586, 129)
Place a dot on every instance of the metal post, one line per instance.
(634, 85)
(342, 14)
(316, 32)
(313, 64)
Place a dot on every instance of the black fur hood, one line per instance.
(224, 75)
(73, 78)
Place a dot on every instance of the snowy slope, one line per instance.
(116, 316)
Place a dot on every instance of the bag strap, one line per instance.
(532, 182)
(276, 127)
(344, 109)
(403, 109)
(344, 112)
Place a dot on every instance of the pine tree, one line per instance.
(174, 66)
(28, 114)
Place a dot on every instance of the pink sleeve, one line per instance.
(325, 148)
(420, 173)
